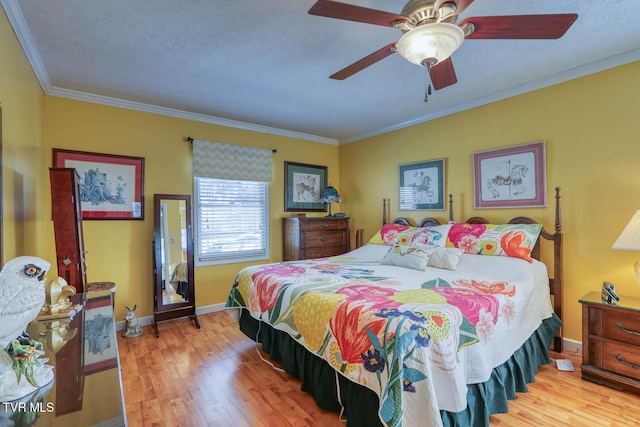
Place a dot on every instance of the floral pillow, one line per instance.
(391, 234)
(388, 234)
(407, 256)
(512, 240)
(435, 236)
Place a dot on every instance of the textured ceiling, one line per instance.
(266, 65)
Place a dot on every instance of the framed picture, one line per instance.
(111, 186)
(303, 185)
(100, 345)
(422, 186)
(510, 177)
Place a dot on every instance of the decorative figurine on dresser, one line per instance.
(22, 296)
(306, 238)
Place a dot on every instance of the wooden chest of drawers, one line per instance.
(305, 238)
(611, 342)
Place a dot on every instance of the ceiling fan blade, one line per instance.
(368, 60)
(460, 4)
(520, 26)
(349, 12)
(442, 74)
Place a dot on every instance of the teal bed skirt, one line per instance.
(361, 404)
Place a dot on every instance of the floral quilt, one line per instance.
(416, 338)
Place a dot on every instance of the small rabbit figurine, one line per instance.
(133, 328)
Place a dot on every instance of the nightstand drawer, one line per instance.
(621, 326)
(314, 239)
(323, 252)
(623, 359)
(611, 342)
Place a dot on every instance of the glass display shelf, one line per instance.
(87, 386)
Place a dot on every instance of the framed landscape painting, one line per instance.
(111, 186)
(510, 177)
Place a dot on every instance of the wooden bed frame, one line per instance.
(555, 281)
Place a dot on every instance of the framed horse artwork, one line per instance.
(422, 185)
(510, 177)
(303, 185)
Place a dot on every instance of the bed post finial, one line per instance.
(384, 211)
(450, 207)
(558, 213)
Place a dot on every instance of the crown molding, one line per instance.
(21, 29)
(181, 114)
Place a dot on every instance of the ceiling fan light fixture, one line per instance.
(430, 43)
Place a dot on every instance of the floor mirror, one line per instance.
(174, 290)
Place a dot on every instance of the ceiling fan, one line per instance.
(431, 34)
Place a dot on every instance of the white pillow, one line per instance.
(446, 258)
(407, 256)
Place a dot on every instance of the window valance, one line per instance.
(225, 161)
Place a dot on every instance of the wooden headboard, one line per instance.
(556, 279)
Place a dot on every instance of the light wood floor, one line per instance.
(213, 376)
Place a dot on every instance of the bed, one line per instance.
(433, 324)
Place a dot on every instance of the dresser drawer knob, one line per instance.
(625, 363)
(620, 326)
(325, 239)
(326, 225)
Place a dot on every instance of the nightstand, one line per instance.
(611, 342)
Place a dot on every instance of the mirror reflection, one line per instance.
(173, 249)
(174, 289)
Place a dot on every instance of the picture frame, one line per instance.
(100, 341)
(111, 186)
(303, 185)
(422, 185)
(510, 177)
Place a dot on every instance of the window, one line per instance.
(232, 221)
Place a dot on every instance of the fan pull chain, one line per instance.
(427, 91)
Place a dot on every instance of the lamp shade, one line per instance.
(330, 195)
(629, 239)
(430, 43)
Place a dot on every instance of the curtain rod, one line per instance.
(190, 140)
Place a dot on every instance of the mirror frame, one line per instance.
(162, 311)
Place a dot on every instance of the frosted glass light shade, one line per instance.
(430, 43)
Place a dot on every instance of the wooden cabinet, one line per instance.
(611, 342)
(305, 238)
(67, 226)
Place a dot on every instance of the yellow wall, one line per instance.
(22, 151)
(589, 125)
(120, 251)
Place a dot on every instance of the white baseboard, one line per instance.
(148, 320)
(571, 346)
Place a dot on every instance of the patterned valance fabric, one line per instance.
(217, 160)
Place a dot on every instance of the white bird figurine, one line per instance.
(22, 295)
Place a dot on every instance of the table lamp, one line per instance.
(330, 195)
(629, 240)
